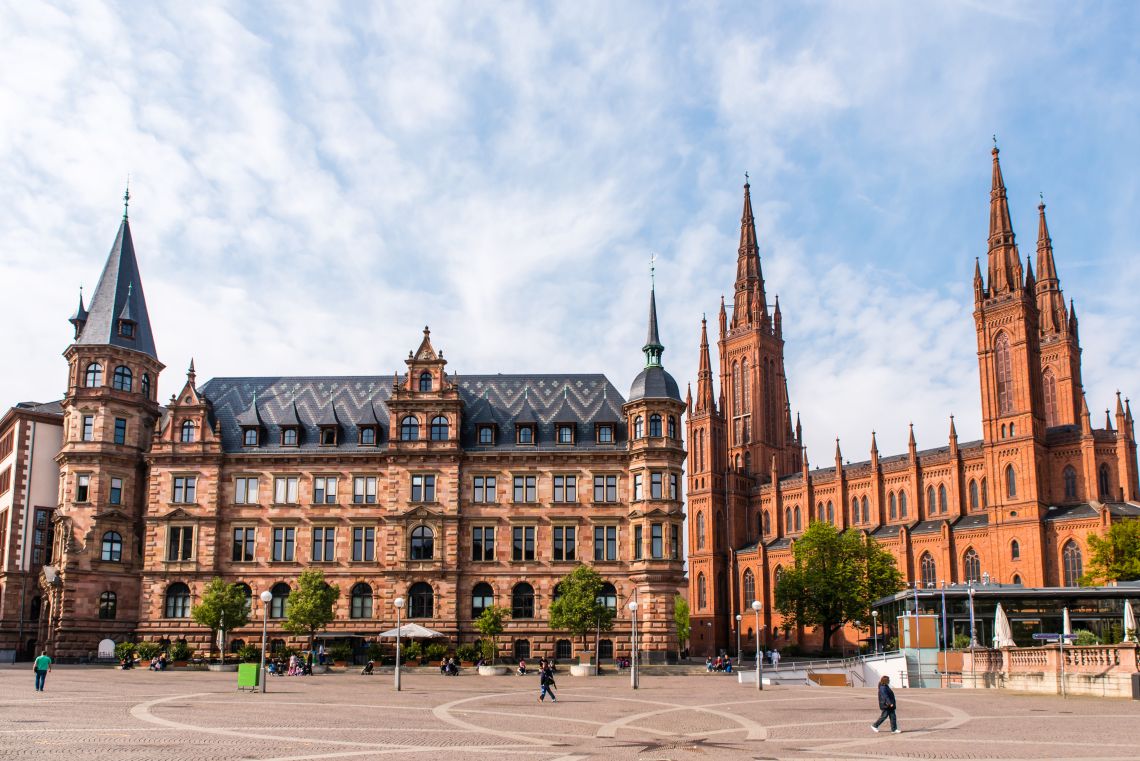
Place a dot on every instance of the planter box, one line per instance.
(494, 670)
(222, 666)
(583, 669)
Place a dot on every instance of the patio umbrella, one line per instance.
(1003, 633)
(412, 631)
(1067, 625)
(1129, 622)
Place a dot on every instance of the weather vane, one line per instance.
(127, 197)
(745, 177)
(652, 269)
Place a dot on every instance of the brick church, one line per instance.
(452, 493)
(1013, 508)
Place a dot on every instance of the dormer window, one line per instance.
(187, 436)
(565, 433)
(368, 436)
(486, 435)
(605, 433)
(524, 434)
(127, 328)
(289, 436)
(425, 381)
(328, 436)
(249, 437)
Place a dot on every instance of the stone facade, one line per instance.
(1015, 507)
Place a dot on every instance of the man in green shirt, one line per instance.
(42, 666)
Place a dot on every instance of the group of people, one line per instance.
(449, 667)
(159, 662)
(720, 663)
(295, 666)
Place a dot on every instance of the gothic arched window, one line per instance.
(736, 390)
(1004, 370)
(745, 388)
(700, 531)
(796, 517)
(931, 505)
(866, 510)
(902, 504)
(971, 566)
(893, 510)
(974, 503)
(749, 585)
(1073, 563)
(439, 428)
(702, 592)
(854, 509)
(767, 523)
(93, 376)
(942, 504)
(1010, 482)
(1015, 550)
(1049, 386)
(1070, 476)
(1103, 482)
(830, 512)
(929, 570)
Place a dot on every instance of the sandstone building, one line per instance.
(1015, 507)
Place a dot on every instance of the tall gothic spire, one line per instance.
(653, 348)
(1004, 262)
(749, 304)
(1050, 300)
(705, 401)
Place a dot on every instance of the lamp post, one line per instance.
(633, 649)
(739, 618)
(973, 636)
(266, 597)
(756, 606)
(875, 629)
(399, 603)
(945, 633)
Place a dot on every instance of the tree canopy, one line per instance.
(835, 578)
(681, 619)
(490, 625)
(222, 606)
(1115, 556)
(579, 608)
(310, 606)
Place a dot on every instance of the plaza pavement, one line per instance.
(109, 715)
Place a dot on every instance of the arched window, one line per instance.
(367, 436)
(605, 649)
(787, 519)
(655, 425)
(177, 600)
(736, 390)
(439, 428)
(638, 427)
(607, 596)
(563, 649)
(1073, 563)
(112, 547)
(93, 377)
(749, 585)
(361, 596)
(425, 381)
(146, 386)
(902, 504)
(830, 512)
(971, 566)
(894, 506)
(747, 462)
(1004, 371)
(108, 605)
(672, 426)
(1014, 550)
(931, 505)
(796, 516)
(942, 504)
(187, 432)
(985, 494)
(482, 597)
(819, 512)
(779, 572)
(279, 603)
(421, 600)
(1016, 579)
(409, 428)
(866, 510)
(1049, 386)
(854, 509)
(1103, 482)
(745, 388)
(521, 649)
(247, 593)
(974, 495)
(1010, 481)
(718, 528)
(700, 531)
(122, 379)
(1070, 476)
(767, 523)
(702, 592)
(423, 543)
(929, 570)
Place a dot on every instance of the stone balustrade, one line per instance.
(1103, 670)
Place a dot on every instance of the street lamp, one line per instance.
(875, 628)
(945, 632)
(399, 603)
(756, 606)
(266, 597)
(633, 658)
(973, 636)
(738, 620)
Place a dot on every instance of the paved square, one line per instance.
(92, 713)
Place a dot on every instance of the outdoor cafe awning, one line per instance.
(412, 631)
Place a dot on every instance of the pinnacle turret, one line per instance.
(749, 303)
(1004, 262)
(705, 401)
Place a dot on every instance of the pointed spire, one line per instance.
(190, 374)
(1004, 262)
(653, 348)
(799, 429)
(1119, 406)
(1086, 418)
(1050, 300)
(912, 447)
(704, 373)
(79, 319)
(689, 397)
(979, 285)
(126, 198)
(1030, 280)
(777, 319)
(838, 453)
(874, 445)
(749, 305)
(1107, 419)
(953, 430)
(723, 319)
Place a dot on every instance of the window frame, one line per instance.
(283, 547)
(363, 544)
(181, 543)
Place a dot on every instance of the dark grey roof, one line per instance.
(928, 527)
(779, 544)
(498, 399)
(1126, 509)
(888, 530)
(44, 408)
(654, 383)
(652, 339)
(976, 520)
(119, 294)
(251, 417)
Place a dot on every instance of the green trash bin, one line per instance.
(248, 674)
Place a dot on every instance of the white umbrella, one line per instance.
(412, 631)
(1067, 625)
(1003, 633)
(1129, 621)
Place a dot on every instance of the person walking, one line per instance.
(887, 706)
(546, 685)
(41, 666)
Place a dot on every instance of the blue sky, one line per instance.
(313, 183)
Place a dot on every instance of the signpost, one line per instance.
(1060, 640)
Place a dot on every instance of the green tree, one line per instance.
(490, 625)
(310, 607)
(579, 608)
(835, 578)
(1115, 556)
(681, 619)
(221, 608)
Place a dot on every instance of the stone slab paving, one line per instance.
(89, 713)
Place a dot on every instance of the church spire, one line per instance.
(1050, 300)
(749, 304)
(705, 400)
(653, 348)
(1004, 262)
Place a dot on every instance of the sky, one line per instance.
(312, 183)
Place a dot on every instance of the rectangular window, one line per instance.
(605, 542)
(605, 434)
(364, 490)
(423, 488)
(672, 486)
(82, 488)
(483, 543)
(564, 543)
(657, 541)
(6, 445)
(324, 490)
(120, 430)
(675, 543)
(245, 491)
(565, 434)
(486, 435)
(180, 543)
(484, 489)
(363, 544)
(43, 537)
(88, 427)
(243, 544)
(185, 490)
(324, 544)
(116, 491)
(566, 488)
(637, 542)
(285, 490)
(655, 480)
(605, 488)
(522, 545)
(284, 542)
(5, 485)
(526, 488)
(637, 488)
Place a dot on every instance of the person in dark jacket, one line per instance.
(887, 706)
(546, 684)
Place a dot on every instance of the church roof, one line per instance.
(119, 295)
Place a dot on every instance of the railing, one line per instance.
(1092, 657)
(1027, 658)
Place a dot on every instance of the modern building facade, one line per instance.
(453, 493)
(1015, 506)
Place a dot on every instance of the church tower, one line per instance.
(110, 410)
(1060, 346)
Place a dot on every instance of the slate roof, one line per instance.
(44, 408)
(1070, 512)
(928, 527)
(967, 522)
(1128, 509)
(119, 294)
(654, 383)
(497, 399)
(892, 529)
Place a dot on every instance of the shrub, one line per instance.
(961, 641)
(249, 654)
(375, 651)
(148, 650)
(411, 651)
(341, 652)
(125, 650)
(893, 643)
(1085, 637)
(436, 651)
(180, 651)
(466, 653)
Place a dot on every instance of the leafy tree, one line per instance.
(578, 609)
(310, 607)
(681, 619)
(222, 607)
(835, 578)
(1115, 556)
(490, 625)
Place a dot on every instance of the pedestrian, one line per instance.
(546, 685)
(775, 658)
(321, 654)
(42, 666)
(887, 706)
(709, 663)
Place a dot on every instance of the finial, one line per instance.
(746, 184)
(1042, 197)
(995, 145)
(426, 330)
(127, 197)
(652, 270)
